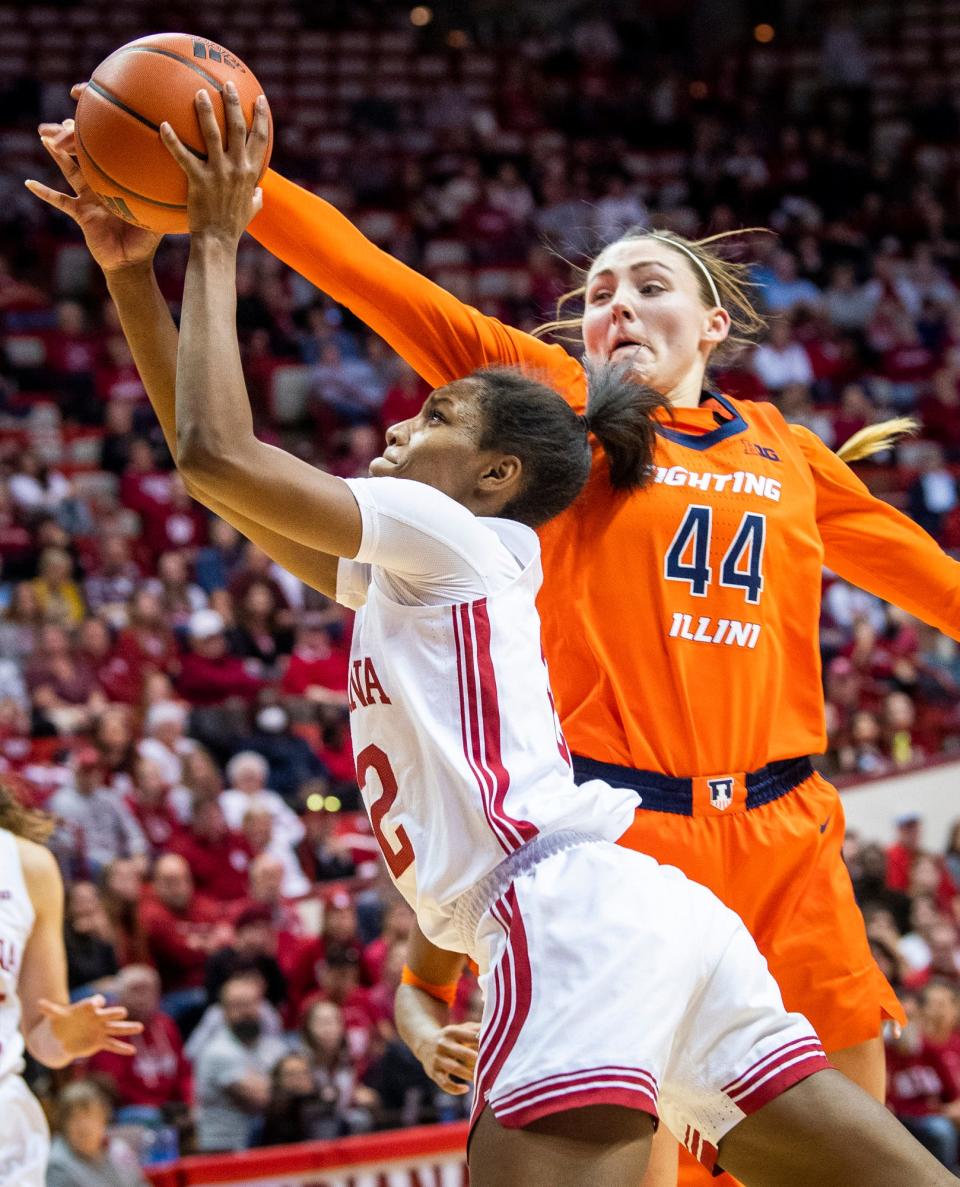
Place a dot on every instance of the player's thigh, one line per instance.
(865, 1064)
(826, 1130)
(596, 1146)
(662, 1167)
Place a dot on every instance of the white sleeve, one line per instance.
(428, 548)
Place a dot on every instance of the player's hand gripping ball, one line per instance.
(128, 97)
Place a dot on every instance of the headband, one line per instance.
(696, 259)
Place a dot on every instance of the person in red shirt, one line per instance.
(339, 982)
(156, 1083)
(149, 805)
(182, 929)
(919, 1085)
(179, 523)
(218, 857)
(397, 927)
(209, 675)
(940, 1016)
(147, 644)
(903, 852)
(118, 681)
(318, 670)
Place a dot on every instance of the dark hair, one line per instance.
(529, 419)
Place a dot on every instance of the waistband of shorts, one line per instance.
(703, 794)
(474, 903)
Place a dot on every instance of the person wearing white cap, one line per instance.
(166, 743)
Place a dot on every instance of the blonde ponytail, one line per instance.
(876, 438)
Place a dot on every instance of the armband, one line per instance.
(441, 993)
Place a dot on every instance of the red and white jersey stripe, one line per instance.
(459, 751)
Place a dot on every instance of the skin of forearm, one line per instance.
(44, 1046)
(418, 1017)
(214, 423)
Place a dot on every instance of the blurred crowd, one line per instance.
(179, 702)
(910, 897)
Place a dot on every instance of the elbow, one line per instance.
(207, 466)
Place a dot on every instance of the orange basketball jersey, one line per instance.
(681, 621)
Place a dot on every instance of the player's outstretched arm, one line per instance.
(439, 336)
(125, 253)
(877, 547)
(448, 1052)
(55, 1031)
(216, 449)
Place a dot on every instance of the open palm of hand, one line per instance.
(90, 1026)
(113, 242)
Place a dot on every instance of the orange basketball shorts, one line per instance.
(779, 866)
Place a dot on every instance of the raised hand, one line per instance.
(90, 1026)
(114, 243)
(222, 191)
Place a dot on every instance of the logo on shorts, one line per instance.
(721, 792)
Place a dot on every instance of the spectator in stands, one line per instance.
(118, 437)
(296, 1111)
(940, 1019)
(781, 359)
(216, 561)
(148, 643)
(179, 597)
(22, 618)
(292, 762)
(148, 803)
(121, 889)
(784, 290)
(153, 1086)
(939, 411)
(233, 1070)
(934, 492)
(255, 565)
(260, 835)
(94, 827)
(336, 1073)
(36, 489)
(263, 634)
(165, 743)
(847, 303)
(178, 525)
(318, 669)
(322, 855)
(219, 858)
(952, 855)
(111, 671)
(919, 1085)
(904, 851)
(59, 596)
(247, 777)
(91, 956)
(182, 929)
(209, 675)
(82, 1154)
(112, 581)
(114, 738)
(397, 925)
(254, 948)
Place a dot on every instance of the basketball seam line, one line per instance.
(169, 53)
(133, 193)
(102, 91)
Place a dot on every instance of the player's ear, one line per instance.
(501, 475)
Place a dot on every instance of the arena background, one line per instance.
(491, 145)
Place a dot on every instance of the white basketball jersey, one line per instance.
(459, 751)
(16, 923)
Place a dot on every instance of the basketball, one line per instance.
(118, 119)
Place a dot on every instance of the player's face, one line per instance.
(643, 306)
(438, 446)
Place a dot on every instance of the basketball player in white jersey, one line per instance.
(34, 1007)
(616, 992)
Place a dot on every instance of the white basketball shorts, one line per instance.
(24, 1136)
(610, 979)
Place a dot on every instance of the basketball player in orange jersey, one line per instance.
(681, 621)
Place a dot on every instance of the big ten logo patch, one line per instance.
(764, 451)
(721, 792)
(210, 51)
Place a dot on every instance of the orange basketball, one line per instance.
(118, 121)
